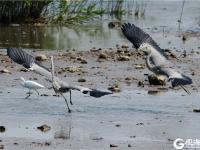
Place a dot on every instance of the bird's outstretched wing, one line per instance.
(138, 37)
(21, 57)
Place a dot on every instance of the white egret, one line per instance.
(31, 85)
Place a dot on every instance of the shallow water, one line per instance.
(160, 17)
(91, 118)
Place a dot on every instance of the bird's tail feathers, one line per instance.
(21, 57)
(185, 80)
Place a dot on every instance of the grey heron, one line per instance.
(156, 60)
(23, 58)
(31, 85)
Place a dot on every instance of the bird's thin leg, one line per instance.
(37, 92)
(69, 110)
(187, 91)
(29, 94)
(70, 96)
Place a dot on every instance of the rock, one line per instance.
(117, 125)
(44, 128)
(156, 80)
(141, 83)
(129, 145)
(184, 38)
(2, 129)
(139, 66)
(196, 110)
(151, 92)
(23, 70)
(124, 46)
(72, 69)
(128, 78)
(82, 60)
(41, 57)
(114, 24)
(113, 145)
(140, 124)
(123, 58)
(97, 138)
(81, 80)
(44, 95)
(1, 146)
(5, 71)
(103, 56)
(114, 88)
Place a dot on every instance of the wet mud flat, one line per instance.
(132, 118)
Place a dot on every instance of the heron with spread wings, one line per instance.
(156, 60)
(23, 58)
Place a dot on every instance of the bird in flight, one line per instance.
(156, 59)
(31, 85)
(23, 58)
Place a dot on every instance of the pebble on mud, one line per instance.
(113, 145)
(114, 88)
(196, 110)
(72, 69)
(138, 66)
(2, 129)
(41, 57)
(5, 71)
(141, 83)
(156, 80)
(44, 128)
(81, 80)
(123, 58)
(103, 56)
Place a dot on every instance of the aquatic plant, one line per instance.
(18, 11)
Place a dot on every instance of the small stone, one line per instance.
(196, 110)
(83, 61)
(141, 83)
(97, 138)
(156, 80)
(1, 146)
(139, 66)
(114, 88)
(123, 58)
(81, 80)
(124, 46)
(103, 56)
(184, 38)
(44, 128)
(24, 70)
(128, 78)
(139, 124)
(117, 125)
(72, 69)
(43, 95)
(113, 145)
(41, 57)
(193, 73)
(2, 129)
(5, 71)
(129, 145)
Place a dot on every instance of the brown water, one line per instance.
(160, 17)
